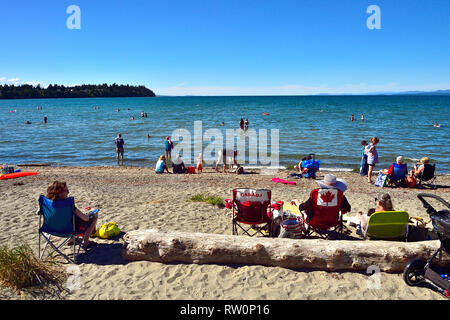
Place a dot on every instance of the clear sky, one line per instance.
(232, 47)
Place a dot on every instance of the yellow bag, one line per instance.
(108, 230)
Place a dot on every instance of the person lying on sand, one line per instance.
(83, 223)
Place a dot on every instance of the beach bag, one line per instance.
(190, 170)
(108, 230)
(411, 182)
(292, 228)
(382, 180)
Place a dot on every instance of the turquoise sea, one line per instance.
(79, 134)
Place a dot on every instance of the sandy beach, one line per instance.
(137, 198)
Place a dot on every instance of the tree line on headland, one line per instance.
(26, 91)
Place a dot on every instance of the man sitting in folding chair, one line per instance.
(62, 219)
(325, 207)
(252, 212)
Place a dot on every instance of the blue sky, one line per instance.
(233, 47)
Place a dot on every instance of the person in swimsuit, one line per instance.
(246, 123)
(119, 147)
(168, 146)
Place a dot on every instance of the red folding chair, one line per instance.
(252, 213)
(326, 217)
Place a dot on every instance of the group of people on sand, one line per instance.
(402, 177)
(178, 165)
(314, 205)
(369, 159)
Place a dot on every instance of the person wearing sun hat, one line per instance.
(331, 182)
(325, 201)
(178, 165)
(418, 170)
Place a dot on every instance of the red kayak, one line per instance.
(16, 175)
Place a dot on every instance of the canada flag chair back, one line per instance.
(326, 205)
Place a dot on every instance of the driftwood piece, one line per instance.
(317, 254)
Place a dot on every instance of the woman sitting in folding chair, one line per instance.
(83, 223)
(325, 207)
(383, 202)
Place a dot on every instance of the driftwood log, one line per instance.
(316, 254)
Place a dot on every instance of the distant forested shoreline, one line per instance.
(26, 91)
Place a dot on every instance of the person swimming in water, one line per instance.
(362, 117)
(352, 118)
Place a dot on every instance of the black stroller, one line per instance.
(418, 271)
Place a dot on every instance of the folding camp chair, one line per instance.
(310, 167)
(428, 175)
(388, 225)
(252, 212)
(398, 176)
(326, 216)
(58, 221)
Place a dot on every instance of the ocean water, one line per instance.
(78, 134)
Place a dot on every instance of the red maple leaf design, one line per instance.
(327, 197)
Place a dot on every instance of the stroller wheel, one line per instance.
(414, 272)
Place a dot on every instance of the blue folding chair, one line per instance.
(310, 167)
(58, 221)
(398, 176)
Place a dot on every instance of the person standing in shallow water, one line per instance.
(119, 147)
